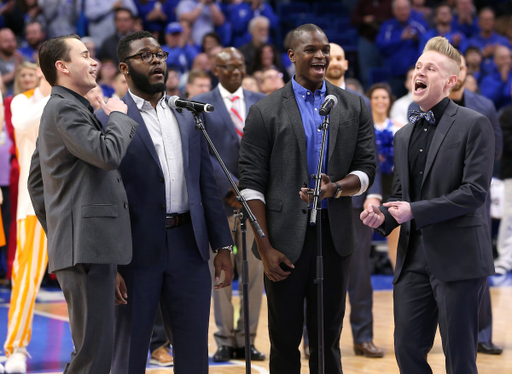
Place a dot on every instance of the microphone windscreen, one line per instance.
(172, 101)
(334, 98)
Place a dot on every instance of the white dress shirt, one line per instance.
(26, 116)
(165, 134)
(226, 97)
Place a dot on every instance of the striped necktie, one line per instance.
(236, 116)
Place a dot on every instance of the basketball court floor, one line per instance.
(51, 339)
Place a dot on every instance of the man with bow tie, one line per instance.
(443, 169)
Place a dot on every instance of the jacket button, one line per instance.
(126, 205)
(162, 206)
(162, 179)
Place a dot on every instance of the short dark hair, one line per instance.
(51, 51)
(196, 73)
(382, 86)
(123, 48)
(122, 10)
(308, 27)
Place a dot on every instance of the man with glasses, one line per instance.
(226, 126)
(271, 80)
(175, 213)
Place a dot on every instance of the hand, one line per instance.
(371, 201)
(400, 210)
(272, 260)
(372, 216)
(326, 190)
(121, 291)
(230, 199)
(222, 262)
(409, 33)
(456, 38)
(112, 105)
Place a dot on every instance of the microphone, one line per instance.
(330, 102)
(175, 102)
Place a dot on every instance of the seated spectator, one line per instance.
(32, 12)
(400, 109)
(181, 55)
(172, 85)
(421, 11)
(465, 19)
(242, 13)
(10, 58)
(34, 37)
(199, 82)
(201, 62)
(249, 83)
(354, 85)
(471, 83)
(156, 14)
(123, 20)
(488, 39)
(106, 73)
(203, 15)
(210, 40)
(496, 86)
(259, 28)
(119, 85)
(272, 80)
(102, 16)
(474, 59)
(443, 27)
(267, 57)
(398, 42)
(368, 16)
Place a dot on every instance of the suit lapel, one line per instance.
(404, 172)
(333, 126)
(292, 110)
(218, 103)
(142, 130)
(442, 129)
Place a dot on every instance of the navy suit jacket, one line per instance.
(485, 107)
(222, 131)
(376, 187)
(144, 183)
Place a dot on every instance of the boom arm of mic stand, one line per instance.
(251, 216)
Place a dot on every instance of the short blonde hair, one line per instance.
(441, 45)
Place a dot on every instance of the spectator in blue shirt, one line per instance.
(398, 42)
(465, 19)
(34, 37)
(443, 20)
(156, 14)
(204, 16)
(488, 39)
(241, 14)
(181, 54)
(496, 86)
(474, 58)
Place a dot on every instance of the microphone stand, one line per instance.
(242, 215)
(316, 219)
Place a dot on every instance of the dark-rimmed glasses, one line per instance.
(148, 56)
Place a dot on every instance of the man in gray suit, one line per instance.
(443, 168)
(232, 105)
(79, 198)
(279, 152)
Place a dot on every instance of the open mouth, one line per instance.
(318, 68)
(157, 71)
(419, 86)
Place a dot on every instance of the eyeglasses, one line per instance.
(148, 56)
(231, 68)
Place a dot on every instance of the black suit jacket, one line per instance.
(273, 162)
(451, 212)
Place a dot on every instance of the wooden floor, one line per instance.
(383, 331)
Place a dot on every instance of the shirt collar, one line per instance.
(302, 92)
(228, 95)
(80, 98)
(439, 109)
(146, 105)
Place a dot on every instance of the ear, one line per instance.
(215, 71)
(61, 66)
(123, 68)
(346, 64)
(291, 55)
(452, 81)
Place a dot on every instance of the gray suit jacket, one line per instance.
(273, 162)
(451, 213)
(222, 131)
(77, 193)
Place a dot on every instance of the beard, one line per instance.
(334, 73)
(458, 86)
(141, 81)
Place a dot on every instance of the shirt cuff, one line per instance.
(374, 196)
(249, 194)
(363, 179)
